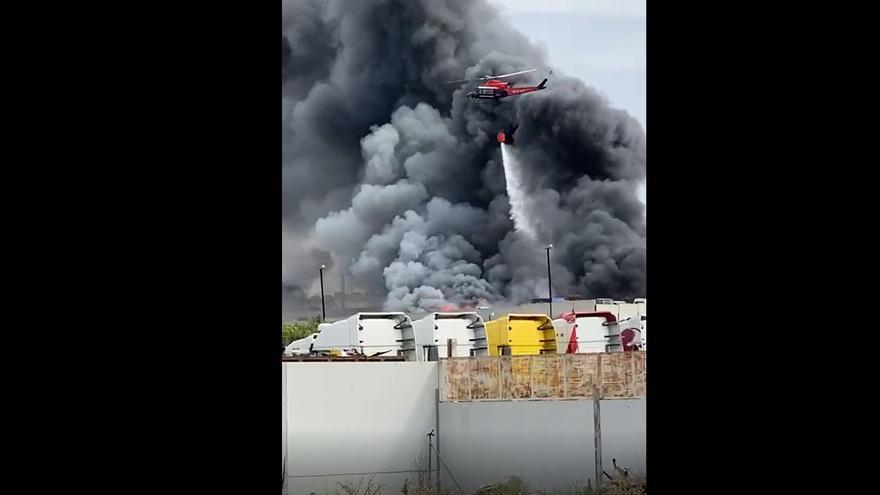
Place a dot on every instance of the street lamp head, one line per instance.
(549, 246)
(323, 266)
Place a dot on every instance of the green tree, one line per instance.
(296, 330)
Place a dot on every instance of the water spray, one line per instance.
(516, 192)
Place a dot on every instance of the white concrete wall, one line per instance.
(549, 444)
(624, 430)
(368, 417)
(539, 441)
(283, 419)
(356, 418)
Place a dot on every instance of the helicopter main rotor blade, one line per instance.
(514, 73)
(486, 78)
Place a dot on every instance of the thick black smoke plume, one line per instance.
(397, 177)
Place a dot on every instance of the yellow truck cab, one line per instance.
(522, 334)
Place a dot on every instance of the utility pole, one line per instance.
(323, 309)
(549, 281)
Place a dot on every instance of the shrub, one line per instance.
(296, 330)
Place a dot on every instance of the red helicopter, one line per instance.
(495, 89)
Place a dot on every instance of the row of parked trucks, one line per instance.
(463, 334)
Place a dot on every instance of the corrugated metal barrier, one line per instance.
(618, 375)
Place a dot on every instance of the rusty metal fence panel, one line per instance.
(619, 375)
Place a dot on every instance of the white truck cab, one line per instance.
(435, 329)
(300, 347)
(370, 334)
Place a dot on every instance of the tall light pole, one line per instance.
(323, 311)
(549, 280)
